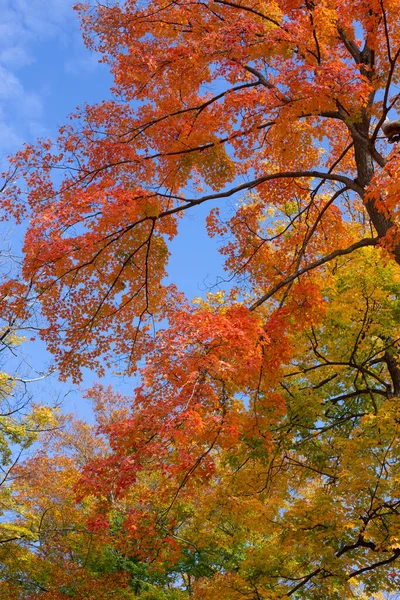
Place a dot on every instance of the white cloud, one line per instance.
(11, 86)
(26, 26)
(10, 139)
(15, 57)
(39, 17)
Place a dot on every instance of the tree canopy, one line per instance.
(258, 457)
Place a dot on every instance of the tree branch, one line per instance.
(310, 267)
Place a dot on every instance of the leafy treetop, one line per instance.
(258, 458)
(283, 110)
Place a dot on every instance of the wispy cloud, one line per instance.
(26, 26)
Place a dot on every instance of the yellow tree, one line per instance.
(276, 400)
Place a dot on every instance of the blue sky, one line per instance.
(45, 72)
(44, 69)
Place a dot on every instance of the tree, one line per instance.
(277, 399)
(64, 552)
(21, 425)
(22, 421)
(262, 477)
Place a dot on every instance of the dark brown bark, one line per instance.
(365, 153)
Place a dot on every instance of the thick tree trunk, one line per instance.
(365, 172)
(363, 149)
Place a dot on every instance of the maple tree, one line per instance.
(258, 458)
(257, 477)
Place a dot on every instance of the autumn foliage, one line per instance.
(258, 456)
